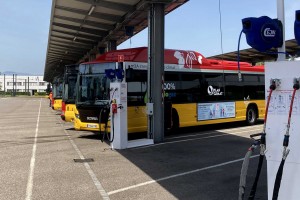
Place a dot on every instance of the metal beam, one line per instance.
(61, 56)
(65, 53)
(65, 60)
(58, 61)
(81, 29)
(67, 46)
(99, 15)
(78, 35)
(111, 45)
(66, 49)
(72, 43)
(100, 25)
(72, 39)
(55, 53)
(111, 5)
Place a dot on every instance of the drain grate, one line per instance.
(84, 160)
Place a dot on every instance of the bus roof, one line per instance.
(184, 58)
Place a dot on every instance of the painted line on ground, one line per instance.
(177, 175)
(32, 160)
(192, 139)
(93, 176)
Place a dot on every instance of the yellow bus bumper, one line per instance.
(57, 104)
(69, 113)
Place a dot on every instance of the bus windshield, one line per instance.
(69, 88)
(57, 90)
(93, 89)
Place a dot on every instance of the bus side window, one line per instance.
(254, 89)
(172, 87)
(190, 90)
(234, 89)
(136, 87)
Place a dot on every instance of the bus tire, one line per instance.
(251, 115)
(175, 120)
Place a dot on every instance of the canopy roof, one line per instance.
(253, 56)
(79, 28)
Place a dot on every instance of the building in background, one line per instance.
(31, 84)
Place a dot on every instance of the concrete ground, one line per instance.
(38, 151)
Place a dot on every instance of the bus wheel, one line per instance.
(251, 115)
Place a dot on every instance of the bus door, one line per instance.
(168, 115)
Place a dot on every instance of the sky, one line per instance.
(24, 29)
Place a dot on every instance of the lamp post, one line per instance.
(38, 84)
(16, 83)
(4, 84)
(25, 85)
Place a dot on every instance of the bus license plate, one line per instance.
(91, 125)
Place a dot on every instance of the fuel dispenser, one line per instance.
(118, 111)
(279, 142)
(283, 136)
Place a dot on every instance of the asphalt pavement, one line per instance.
(39, 150)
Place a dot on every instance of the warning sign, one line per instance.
(120, 58)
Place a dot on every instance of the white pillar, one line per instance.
(280, 16)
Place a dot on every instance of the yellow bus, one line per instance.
(197, 90)
(69, 95)
(57, 93)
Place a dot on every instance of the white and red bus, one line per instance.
(197, 90)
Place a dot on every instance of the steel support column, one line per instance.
(112, 45)
(156, 73)
(101, 50)
(92, 57)
(280, 16)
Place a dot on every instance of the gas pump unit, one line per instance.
(283, 112)
(118, 112)
(283, 122)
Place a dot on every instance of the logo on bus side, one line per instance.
(187, 61)
(169, 86)
(213, 91)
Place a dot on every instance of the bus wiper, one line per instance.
(86, 102)
(101, 102)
